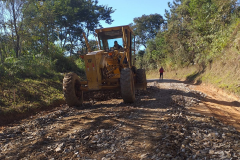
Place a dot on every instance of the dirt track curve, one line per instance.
(171, 120)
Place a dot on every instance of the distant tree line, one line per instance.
(48, 26)
(193, 32)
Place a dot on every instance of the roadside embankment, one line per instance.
(21, 98)
(221, 75)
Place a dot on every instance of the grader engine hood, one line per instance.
(94, 61)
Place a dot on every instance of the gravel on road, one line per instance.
(159, 125)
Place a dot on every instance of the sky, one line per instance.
(127, 10)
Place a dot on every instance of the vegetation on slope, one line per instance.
(39, 42)
(199, 42)
(30, 82)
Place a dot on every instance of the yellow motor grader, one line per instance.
(108, 68)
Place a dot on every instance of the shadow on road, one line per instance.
(225, 103)
(164, 81)
(156, 119)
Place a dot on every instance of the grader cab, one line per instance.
(108, 68)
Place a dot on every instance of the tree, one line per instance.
(147, 27)
(76, 16)
(192, 27)
(13, 21)
(35, 26)
(39, 29)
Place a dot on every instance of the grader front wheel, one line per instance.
(71, 89)
(127, 85)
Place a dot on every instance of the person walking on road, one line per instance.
(161, 70)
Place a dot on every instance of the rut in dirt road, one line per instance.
(157, 126)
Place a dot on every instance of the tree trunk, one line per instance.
(16, 29)
(17, 45)
(46, 40)
(71, 50)
(1, 56)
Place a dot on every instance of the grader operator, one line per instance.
(108, 68)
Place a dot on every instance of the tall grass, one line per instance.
(36, 66)
(33, 81)
(27, 66)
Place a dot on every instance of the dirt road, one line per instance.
(171, 120)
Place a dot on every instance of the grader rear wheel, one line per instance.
(141, 78)
(127, 85)
(71, 89)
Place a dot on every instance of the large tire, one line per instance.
(141, 78)
(71, 89)
(127, 85)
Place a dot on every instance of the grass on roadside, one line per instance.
(220, 74)
(32, 82)
(20, 95)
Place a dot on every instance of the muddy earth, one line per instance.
(170, 120)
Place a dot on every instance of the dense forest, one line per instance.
(40, 40)
(193, 32)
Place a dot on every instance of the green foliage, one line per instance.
(65, 64)
(34, 79)
(204, 14)
(147, 27)
(35, 27)
(155, 53)
(23, 95)
(141, 53)
(139, 59)
(73, 17)
(39, 17)
(2, 70)
(80, 63)
(197, 32)
(28, 66)
(37, 66)
(33, 41)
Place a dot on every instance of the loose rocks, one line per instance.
(157, 126)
